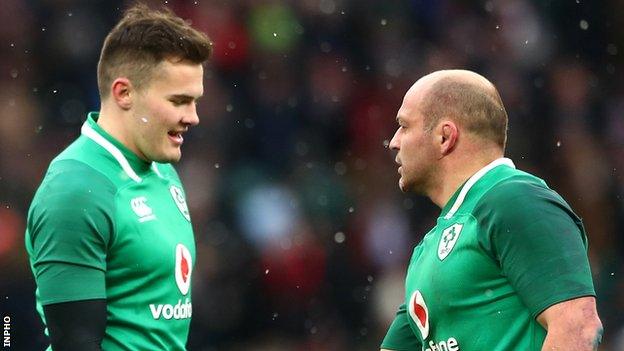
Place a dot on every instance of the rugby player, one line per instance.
(109, 234)
(505, 267)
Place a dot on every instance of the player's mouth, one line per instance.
(176, 137)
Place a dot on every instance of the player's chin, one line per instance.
(169, 156)
(402, 185)
(174, 157)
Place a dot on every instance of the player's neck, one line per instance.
(112, 123)
(455, 172)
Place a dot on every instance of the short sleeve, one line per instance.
(70, 225)
(400, 336)
(538, 241)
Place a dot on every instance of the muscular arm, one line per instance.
(572, 325)
(76, 325)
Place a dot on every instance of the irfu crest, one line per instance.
(178, 198)
(448, 239)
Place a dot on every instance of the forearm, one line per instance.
(76, 325)
(583, 337)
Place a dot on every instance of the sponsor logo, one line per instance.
(445, 345)
(448, 239)
(178, 198)
(182, 272)
(141, 209)
(167, 311)
(183, 268)
(419, 313)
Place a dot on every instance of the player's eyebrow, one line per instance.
(184, 97)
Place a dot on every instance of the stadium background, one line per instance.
(302, 233)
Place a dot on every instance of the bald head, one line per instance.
(464, 97)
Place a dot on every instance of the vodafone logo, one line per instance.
(419, 313)
(183, 268)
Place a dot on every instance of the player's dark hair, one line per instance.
(479, 110)
(141, 40)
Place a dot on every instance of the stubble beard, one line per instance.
(420, 185)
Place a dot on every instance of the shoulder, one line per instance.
(523, 206)
(72, 188)
(68, 176)
(516, 194)
(74, 204)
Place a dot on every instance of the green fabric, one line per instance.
(97, 230)
(62, 212)
(539, 241)
(400, 336)
(483, 273)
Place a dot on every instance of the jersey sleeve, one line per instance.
(538, 241)
(70, 226)
(400, 336)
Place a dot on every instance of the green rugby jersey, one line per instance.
(504, 248)
(106, 224)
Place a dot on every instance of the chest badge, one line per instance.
(178, 198)
(448, 239)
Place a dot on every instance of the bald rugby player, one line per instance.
(505, 267)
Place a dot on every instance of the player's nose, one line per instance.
(395, 142)
(190, 117)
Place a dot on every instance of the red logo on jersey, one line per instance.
(419, 313)
(183, 268)
(184, 265)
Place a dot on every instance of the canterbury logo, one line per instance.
(419, 313)
(141, 209)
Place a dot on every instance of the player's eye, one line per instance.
(180, 102)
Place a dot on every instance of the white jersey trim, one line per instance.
(155, 169)
(112, 149)
(472, 180)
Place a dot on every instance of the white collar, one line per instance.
(92, 134)
(472, 180)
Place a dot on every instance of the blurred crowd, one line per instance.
(302, 233)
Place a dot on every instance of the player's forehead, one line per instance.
(179, 78)
(411, 105)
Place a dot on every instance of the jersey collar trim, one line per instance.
(472, 180)
(90, 130)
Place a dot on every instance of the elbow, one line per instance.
(593, 331)
(589, 335)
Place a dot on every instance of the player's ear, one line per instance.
(447, 136)
(121, 92)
